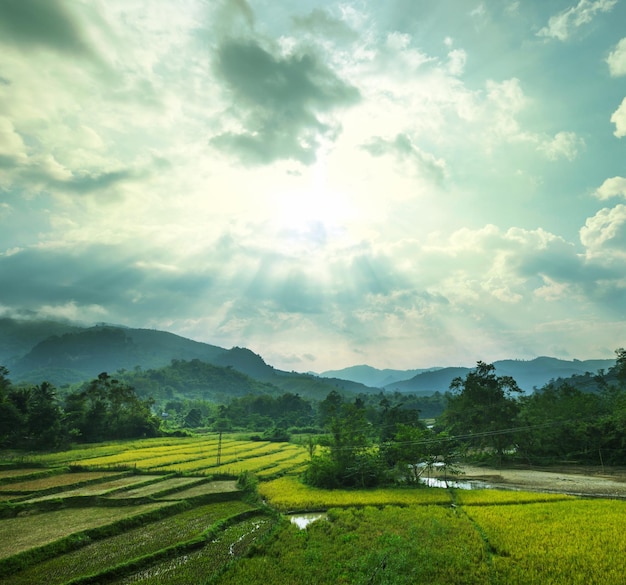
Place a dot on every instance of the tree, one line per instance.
(619, 369)
(348, 460)
(11, 418)
(559, 424)
(108, 409)
(44, 420)
(482, 406)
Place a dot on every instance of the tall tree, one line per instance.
(482, 407)
(11, 418)
(108, 409)
(45, 418)
(347, 460)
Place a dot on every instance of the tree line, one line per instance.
(102, 409)
(486, 417)
(366, 439)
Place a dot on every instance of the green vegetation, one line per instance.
(122, 528)
(33, 418)
(147, 539)
(172, 507)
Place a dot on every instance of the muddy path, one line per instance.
(583, 481)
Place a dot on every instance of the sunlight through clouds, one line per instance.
(330, 183)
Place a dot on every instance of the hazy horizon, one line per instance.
(403, 184)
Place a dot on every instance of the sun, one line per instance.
(314, 205)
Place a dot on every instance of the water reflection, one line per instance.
(303, 520)
(454, 483)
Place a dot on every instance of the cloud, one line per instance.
(613, 187)
(617, 59)
(604, 235)
(31, 23)
(320, 22)
(619, 119)
(564, 145)
(283, 104)
(12, 147)
(403, 150)
(560, 26)
(457, 58)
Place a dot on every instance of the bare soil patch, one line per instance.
(584, 481)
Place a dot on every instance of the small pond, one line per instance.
(303, 520)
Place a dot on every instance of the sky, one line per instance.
(404, 184)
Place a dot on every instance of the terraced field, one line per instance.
(125, 513)
(199, 456)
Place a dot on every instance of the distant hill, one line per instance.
(195, 380)
(19, 336)
(528, 374)
(65, 354)
(84, 353)
(374, 377)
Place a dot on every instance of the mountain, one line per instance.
(18, 336)
(65, 353)
(84, 353)
(538, 372)
(151, 360)
(428, 383)
(528, 374)
(373, 377)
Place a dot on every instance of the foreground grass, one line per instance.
(568, 542)
(121, 548)
(392, 536)
(392, 545)
(31, 531)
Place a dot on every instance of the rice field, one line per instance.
(115, 550)
(38, 529)
(197, 455)
(573, 542)
(55, 482)
(288, 494)
(171, 518)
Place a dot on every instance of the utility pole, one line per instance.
(219, 449)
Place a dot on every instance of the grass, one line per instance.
(392, 545)
(27, 532)
(57, 481)
(209, 561)
(288, 493)
(392, 536)
(116, 550)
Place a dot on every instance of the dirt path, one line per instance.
(583, 481)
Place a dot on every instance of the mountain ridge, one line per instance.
(66, 353)
(529, 374)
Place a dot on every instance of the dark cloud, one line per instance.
(404, 150)
(90, 182)
(112, 277)
(37, 175)
(37, 23)
(280, 101)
